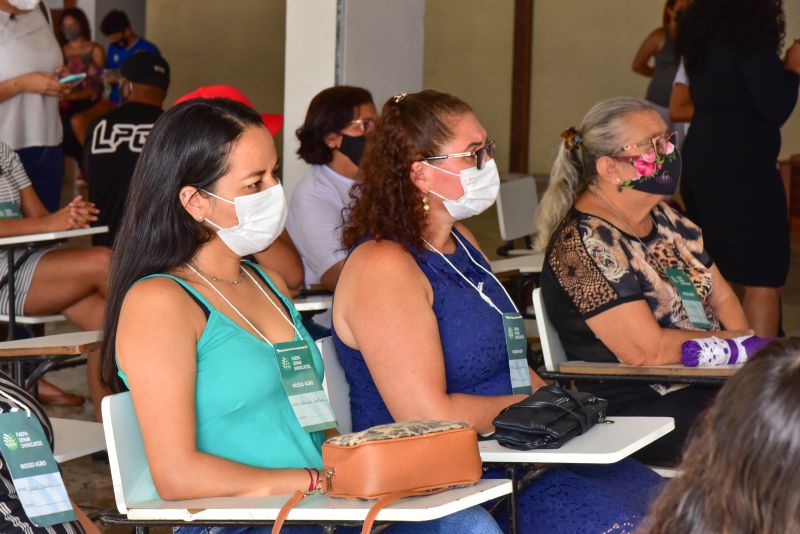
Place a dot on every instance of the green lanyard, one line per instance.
(296, 366)
(513, 325)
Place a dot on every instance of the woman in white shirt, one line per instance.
(331, 140)
(29, 89)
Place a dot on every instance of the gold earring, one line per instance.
(619, 185)
(425, 206)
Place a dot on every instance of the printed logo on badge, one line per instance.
(11, 442)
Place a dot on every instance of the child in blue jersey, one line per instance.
(124, 43)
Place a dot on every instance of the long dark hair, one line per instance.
(387, 205)
(188, 146)
(77, 14)
(742, 463)
(330, 110)
(745, 24)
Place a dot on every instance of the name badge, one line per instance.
(10, 210)
(34, 470)
(517, 349)
(309, 402)
(689, 297)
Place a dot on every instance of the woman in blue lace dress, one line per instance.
(419, 319)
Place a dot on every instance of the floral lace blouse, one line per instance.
(592, 266)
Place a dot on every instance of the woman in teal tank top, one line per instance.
(202, 339)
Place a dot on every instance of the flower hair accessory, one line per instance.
(572, 138)
(398, 97)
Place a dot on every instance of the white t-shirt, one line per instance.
(315, 219)
(680, 75)
(27, 44)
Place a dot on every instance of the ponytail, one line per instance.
(600, 133)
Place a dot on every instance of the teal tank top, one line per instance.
(243, 413)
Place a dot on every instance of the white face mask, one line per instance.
(480, 190)
(25, 5)
(261, 219)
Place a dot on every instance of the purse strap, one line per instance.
(293, 501)
(382, 503)
(583, 418)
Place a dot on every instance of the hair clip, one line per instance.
(572, 138)
(398, 97)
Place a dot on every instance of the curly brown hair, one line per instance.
(742, 463)
(386, 204)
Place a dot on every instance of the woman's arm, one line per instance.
(159, 326)
(43, 83)
(383, 308)
(726, 304)
(681, 106)
(649, 47)
(631, 332)
(99, 56)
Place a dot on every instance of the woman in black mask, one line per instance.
(617, 256)
(332, 138)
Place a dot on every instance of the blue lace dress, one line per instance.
(580, 498)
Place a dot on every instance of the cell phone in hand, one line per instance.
(72, 79)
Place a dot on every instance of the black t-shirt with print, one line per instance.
(592, 266)
(113, 144)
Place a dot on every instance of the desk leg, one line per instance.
(511, 474)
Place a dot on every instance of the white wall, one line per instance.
(310, 68)
(383, 46)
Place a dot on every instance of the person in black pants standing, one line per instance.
(743, 92)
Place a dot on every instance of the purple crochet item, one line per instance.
(713, 351)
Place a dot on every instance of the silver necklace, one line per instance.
(216, 279)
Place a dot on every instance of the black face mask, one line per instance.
(664, 181)
(353, 147)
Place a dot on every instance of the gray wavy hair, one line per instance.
(602, 132)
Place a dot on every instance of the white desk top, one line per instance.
(601, 444)
(57, 340)
(51, 236)
(525, 264)
(321, 507)
(74, 439)
(313, 303)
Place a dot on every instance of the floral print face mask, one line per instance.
(658, 170)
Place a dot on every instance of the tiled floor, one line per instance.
(89, 483)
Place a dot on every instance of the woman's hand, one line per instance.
(43, 83)
(76, 214)
(792, 58)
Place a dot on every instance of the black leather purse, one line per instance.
(548, 418)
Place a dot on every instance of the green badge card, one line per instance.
(689, 297)
(517, 349)
(34, 470)
(309, 402)
(10, 210)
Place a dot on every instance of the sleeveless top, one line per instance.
(660, 87)
(471, 332)
(242, 411)
(79, 63)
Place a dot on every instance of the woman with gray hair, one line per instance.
(619, 260)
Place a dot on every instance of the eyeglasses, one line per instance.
(483, 154)
(662, 145)
(366, 125)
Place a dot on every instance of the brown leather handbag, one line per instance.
(397, 460)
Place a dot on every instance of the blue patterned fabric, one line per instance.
(610, 498)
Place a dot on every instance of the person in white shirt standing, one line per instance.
(332, 140)
(29, 120)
